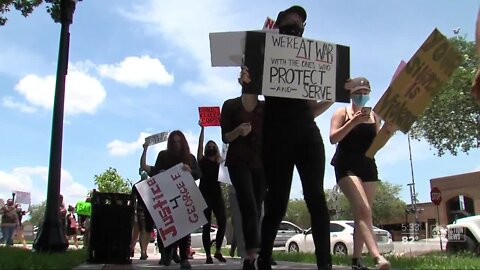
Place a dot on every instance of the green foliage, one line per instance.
(297, 212)
(386, 204)
(26, 7)
(452, 122)
(37, 213)
(17, 258)
(110, 181)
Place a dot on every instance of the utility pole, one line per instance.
(413, 193)
(51, 236)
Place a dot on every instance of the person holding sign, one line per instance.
(354, 129)
(291, 138)
(242, 130)
(177, 152)
(72, 225)
(212, 193)
(144, 224)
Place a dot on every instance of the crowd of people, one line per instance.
(262, 154)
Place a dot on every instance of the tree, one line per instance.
(111, 181)
(386, 204)
(37, 213)
(26, 7)
(297, 213)
(452, 122)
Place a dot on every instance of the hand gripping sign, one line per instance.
(174, 202)
(413, 89)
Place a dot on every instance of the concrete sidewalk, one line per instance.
(198, 263)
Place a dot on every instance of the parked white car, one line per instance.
(464, 235)
(341, 239)
(197, 238)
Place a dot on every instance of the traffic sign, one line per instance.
(436, 195)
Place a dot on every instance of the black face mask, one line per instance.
(210, 152)
(291, 30)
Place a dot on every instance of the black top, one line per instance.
(166, 160)
(243, 151)
(287, 112)
(358, 140)
(209, 181)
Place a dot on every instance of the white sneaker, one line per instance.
(381, 263)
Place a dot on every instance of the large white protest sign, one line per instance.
(174, 202)
(295, 67)
(22, 197)
(226, 48)
(157, 138)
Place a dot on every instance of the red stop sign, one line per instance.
(436, 195)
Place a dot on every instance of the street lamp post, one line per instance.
(413, 194)
(51, 235)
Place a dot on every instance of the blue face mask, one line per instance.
(360, 100)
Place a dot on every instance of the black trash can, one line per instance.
(111, 228)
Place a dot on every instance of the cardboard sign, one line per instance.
(157, 138)
(84, 209)
(295, 67)
(414, 85)
(269, 23)
(412, 90)
(227, 48)
(22, 197)
(209, 116)
(174, 202)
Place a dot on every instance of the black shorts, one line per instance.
(357, 165)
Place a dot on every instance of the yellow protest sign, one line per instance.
(413, 89)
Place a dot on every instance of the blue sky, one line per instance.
(143, 67)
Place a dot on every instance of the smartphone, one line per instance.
(366, 110)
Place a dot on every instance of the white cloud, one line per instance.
(9, 102)
(35, 179)
(121, 148)
(193, 38)
(83, 93)
(138, 72)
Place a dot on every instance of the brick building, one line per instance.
(460, 198)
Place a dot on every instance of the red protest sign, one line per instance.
(209, 116)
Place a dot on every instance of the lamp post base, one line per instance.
(51, 237)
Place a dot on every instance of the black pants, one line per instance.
(282, 150)
(216, 205)
(250, 190)
(167, 252)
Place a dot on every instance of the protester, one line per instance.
(72, 225)
(9, 222)
(177, 152)
(242, 130)
(84, 216)
(20, 233)
(212, 193)
(354, 129)
(144, 222)
(292, 138)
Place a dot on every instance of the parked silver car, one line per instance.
(285, 231)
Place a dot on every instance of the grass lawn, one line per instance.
(434, 261)
(429, 261)
(17, 258)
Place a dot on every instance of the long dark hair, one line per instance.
(184, 149)
(217, 154)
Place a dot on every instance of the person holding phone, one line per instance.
(354, 128)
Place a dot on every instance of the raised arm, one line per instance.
(201, 137)
(319, 107)
(143, 160)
